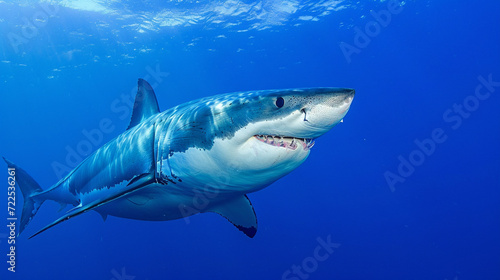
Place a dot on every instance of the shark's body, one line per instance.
(201, 156)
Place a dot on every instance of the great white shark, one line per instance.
(221, 147)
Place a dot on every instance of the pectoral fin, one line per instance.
(239, 211)
(111, 194)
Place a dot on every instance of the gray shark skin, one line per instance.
(201, 156)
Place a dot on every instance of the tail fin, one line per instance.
(29, 187)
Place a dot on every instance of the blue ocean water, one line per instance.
(407, 187)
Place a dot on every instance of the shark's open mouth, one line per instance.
(286, 142)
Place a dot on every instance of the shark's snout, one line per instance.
(339, 98)
(327, 109)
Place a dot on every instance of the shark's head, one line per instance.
(246, 141)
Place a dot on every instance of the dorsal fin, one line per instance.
(145, 104)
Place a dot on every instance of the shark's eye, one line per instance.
(280, 102)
